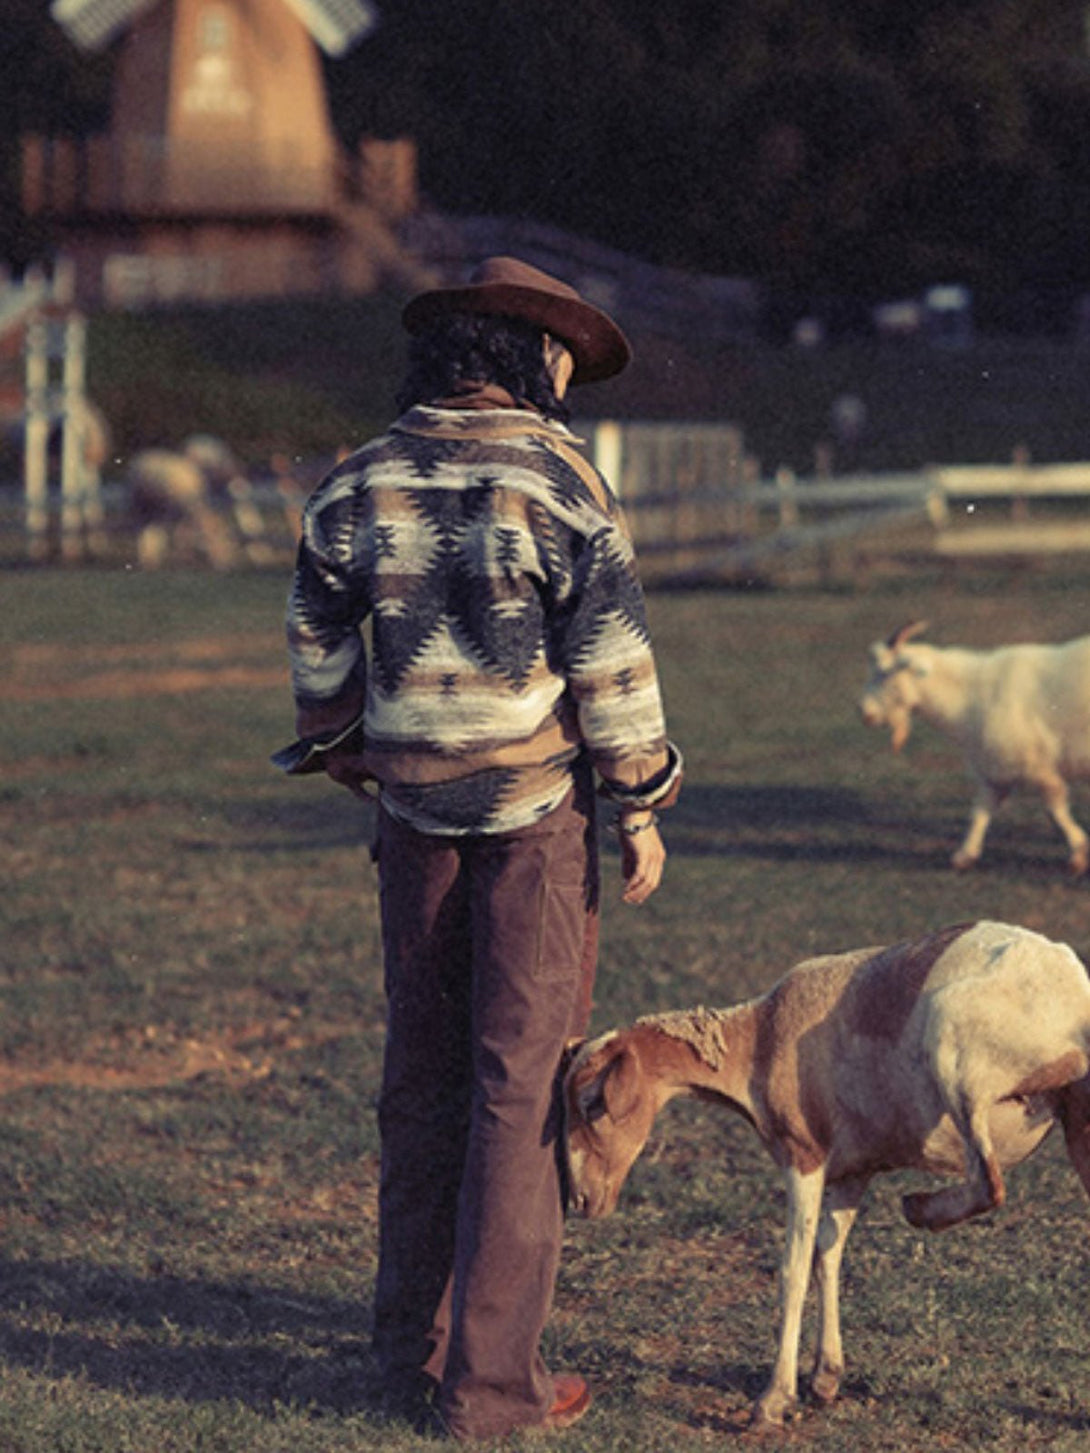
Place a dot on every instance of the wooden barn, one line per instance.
(221, 175)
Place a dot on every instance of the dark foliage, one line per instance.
(836, 146)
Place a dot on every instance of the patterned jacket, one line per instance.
(508, 634)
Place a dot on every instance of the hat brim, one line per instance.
(598, 347)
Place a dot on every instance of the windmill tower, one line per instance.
(219, 105)
(221, 175)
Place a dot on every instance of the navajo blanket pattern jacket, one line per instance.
(490, 567)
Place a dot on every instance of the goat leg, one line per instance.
(804, 1193)
(1058, 802)
(841, 1209)
(986, 804)
(982, 1190)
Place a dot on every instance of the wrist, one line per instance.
(631, 824)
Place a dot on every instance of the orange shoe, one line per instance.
(571, 1399)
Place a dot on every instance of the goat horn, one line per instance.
(906, 633)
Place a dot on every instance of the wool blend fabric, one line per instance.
(507, 625)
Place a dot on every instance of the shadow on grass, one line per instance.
(201, 1341)
(792, 823)
(1046, 1418)
(718, 1401)
(735, 1380)
(265, 1347)
(783, 823)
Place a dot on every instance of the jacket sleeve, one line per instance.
(612, 677)
(326, 606)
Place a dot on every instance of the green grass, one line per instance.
(191, 1032)
(308, 377)
(301, 377)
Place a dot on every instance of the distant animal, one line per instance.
(175, 502)
(217, 462)
(1021, 715)
(954, 1054)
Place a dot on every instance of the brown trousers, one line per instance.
(490, 944)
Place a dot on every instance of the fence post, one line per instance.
(1020, 462)
(75, 484)
(785, 490)
(608, 449)
(49, 337)
(36, 439)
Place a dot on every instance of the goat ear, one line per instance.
(611, 1090)
(589, 1097)
(622, 1084)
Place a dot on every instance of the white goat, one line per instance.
(953, 1054)
(1021, 715)
(171, 506)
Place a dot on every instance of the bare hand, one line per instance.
(643, 858)
(345, 769)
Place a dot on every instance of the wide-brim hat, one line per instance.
(507, 287)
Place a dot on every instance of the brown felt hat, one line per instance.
(506, 287)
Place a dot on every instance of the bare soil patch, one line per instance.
(54, 672)
(159, 1057)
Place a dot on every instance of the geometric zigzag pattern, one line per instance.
(504, 608)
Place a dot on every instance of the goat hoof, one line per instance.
(962, 862)
(825, 1385)
(771, 1411)
(1078, 863)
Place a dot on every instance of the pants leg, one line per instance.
(531, 902)
(425, 1096)
(489, 946)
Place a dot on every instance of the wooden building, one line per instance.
(221, 175)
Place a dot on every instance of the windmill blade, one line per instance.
(91, 23)
(335, 24)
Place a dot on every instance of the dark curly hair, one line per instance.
(472, 348)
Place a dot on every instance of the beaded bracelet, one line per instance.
(638, 827)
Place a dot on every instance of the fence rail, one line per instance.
(699, 509)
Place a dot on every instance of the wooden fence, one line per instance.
(699, 509)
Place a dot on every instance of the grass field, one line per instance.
(306, 377)
(192, 1026)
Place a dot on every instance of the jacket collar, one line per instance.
(484, 413)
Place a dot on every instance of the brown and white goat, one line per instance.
(953, 1054)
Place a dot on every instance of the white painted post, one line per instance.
(81, 517)
(75, 485)
(36, 439)
(609, 452)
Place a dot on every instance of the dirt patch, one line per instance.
(51, 672)
(158, 1058)
(117, 685)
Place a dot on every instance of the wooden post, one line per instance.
(49, 338)
(75, 484)
(788, 502)
(36, 439)
(608, 452)
(1020, 461)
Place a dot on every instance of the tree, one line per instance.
(832, 146)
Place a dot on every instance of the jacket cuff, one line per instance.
(308, 754)
(661, 790)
